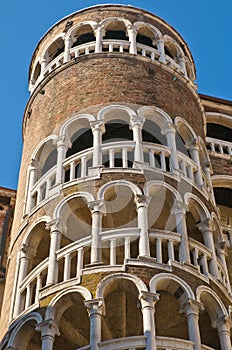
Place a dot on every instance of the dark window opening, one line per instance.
(117, 130)
(84, 38)
(168, 53)
(220, 132)
(151, 133)
(144, 40)
(116, 34)
(49, 162)
(223, 196)
(81, 140)
(57, 53)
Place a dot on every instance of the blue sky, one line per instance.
(204, 24)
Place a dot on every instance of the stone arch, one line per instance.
(44, 156)
(214, 311)
(36, 71)
(54, 49)
(88, 197)
(135, 189)
(116, 111)
(185, 136)
(172, 48)
(203, 154)
(33, 317)
(108, 21)
(72, 31)
(160, 117)
(219, 118)
(140, 24)
(160, 214)
(68, 311)
(35, 223)
(196, 213)
(173, 293)
(164, 278)
(74, 123)
(139, 284)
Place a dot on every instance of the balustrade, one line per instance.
(108, 45)
(42, 187)
(117, 245)
(219, 147)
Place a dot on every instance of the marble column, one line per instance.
(67, 46)
(97, 129)
(206, 228)
(132, 32)
(142, 203)
(170, 132)
(191, 308)
(96, 208)
(160, 46)
(95, 309)
(55, 237)
(48, 331)
(137, 125)
(223, 325)
(62, 146)
(179, 210)
(148, 301)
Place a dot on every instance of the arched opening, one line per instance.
(123, 317)
(209, 316)
(120, 213)
(146, 36)
(171, 50)
(73, 322)
(81, 138)
(172, 296)
(36, 73)
(160, 220)
(55, 49)
(27, 337)
(76, 219)
(115, 30)
(219, 132)
(82, 35)
(117, 130)
(46, 157)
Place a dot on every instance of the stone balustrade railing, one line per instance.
(116, 250)
(118, 155)
(121, 46)
(219, 147)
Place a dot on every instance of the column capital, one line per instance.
(96, 206)
(48, 328)
(168, 128)
(25, 251)
(193, 144)
(222, 324)
(97, 125)
(62, 141)
(179, 208)
(131, 27)
(142, 200)
(95, 306)
(98, 27)
(137, 120)
(205, 225)
(221, 247)
(34, 163)
(148, 299)
(55, 226)
(191, 306)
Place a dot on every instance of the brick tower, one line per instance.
(122, 228)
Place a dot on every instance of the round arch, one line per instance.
(45, 219)
(73, 29)
(58, 37)
(217, 308)
(167, 276)
(114, 110)
(163, 184)
(73, 124)
(157, 33)
(51, 138)
(219, 118)
(161, 117)
(185, 130)
(139, 284)
(33, 316)
(58, 210)
(203, 212)
(105, 22)
(169, 39)
(135, 189)
(84, 292)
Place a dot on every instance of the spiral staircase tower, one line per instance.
(117, 241)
